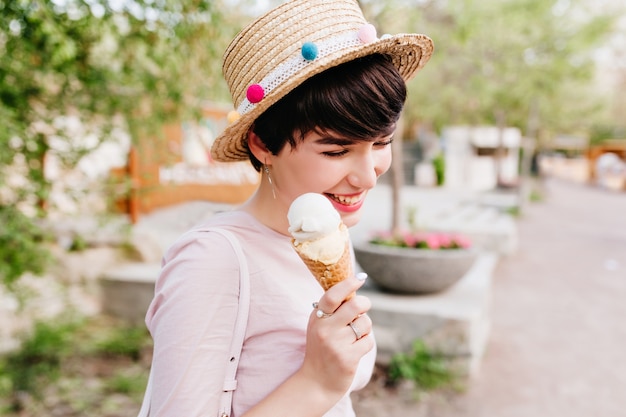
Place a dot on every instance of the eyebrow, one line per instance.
(329, 140)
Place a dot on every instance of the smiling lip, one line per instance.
(346, 204)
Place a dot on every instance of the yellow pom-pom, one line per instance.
(232, 116)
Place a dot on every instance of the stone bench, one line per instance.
(128, 289)
(455, 322)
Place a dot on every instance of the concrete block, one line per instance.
(128, 289)
(455, 322)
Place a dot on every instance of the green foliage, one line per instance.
(124, 341)
(39, 359)
(141, 63)
(411, 217)
(75, 68)
(124, 383)
(497, 59)
(601, 133)
(78, 244)
(439, 163)
(21, 248)
(535, 196)
(55, 352)
(429, 370)
(514, 211)
(418, 239)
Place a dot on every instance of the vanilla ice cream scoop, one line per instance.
(320, 238)
(311, 216)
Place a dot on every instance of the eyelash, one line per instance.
(342, 152)
(383, 144)
(336, 153)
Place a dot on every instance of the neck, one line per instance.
(270, 211)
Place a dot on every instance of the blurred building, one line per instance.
(481, 157)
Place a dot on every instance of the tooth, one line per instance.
(345, 200)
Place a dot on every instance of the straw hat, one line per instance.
(291, 43)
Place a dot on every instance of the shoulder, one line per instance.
(199, 246)
(200, 265)
(206, 247)
(209, 237)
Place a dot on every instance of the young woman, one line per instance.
(318, 96)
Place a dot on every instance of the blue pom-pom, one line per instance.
(309, 51)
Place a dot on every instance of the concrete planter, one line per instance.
(414, 271)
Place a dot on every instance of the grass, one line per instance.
(428, 369)
(76, 367)
(535, 196)
(98, 367)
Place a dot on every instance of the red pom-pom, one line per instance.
(255, 93)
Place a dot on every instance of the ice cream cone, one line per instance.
(329, 274)
(320, 238)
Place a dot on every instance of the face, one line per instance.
(342, 169)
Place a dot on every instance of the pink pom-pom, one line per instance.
(255, 93)
(367, 33)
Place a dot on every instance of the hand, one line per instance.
(333, 351)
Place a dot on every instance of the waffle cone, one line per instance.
(329, 275)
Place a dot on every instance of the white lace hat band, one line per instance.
(291, 43)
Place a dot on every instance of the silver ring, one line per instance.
(356, 331)
(319, 313)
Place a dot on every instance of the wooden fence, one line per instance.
(177, 168)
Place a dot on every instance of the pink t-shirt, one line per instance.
(192, 316)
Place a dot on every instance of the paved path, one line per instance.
(558, 341)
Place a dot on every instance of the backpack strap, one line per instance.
(236, 345)
(230, 381)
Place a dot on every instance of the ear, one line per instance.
(257, 147)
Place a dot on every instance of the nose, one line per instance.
(365, 171)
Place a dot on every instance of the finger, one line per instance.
(360, 332)
(352, 309)
(336, 295)
(356, 330)
(363, 324)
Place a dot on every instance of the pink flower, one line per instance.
(444, 240)
(409, 239)
(462, 241)
(420, 236)
(420, 239)
(386, 234)
(433, 241)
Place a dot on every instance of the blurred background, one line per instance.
(107, 113)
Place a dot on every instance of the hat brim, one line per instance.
(408, 52)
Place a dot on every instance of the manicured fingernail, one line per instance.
(361, 276)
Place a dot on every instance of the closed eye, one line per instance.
(342, 152)
(337, 153)
(382, 144)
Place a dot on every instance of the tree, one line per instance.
(494, 58)
(134, 64)
(501, 62)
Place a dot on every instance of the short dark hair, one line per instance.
(361, 99)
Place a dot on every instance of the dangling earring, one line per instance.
(269, 178)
